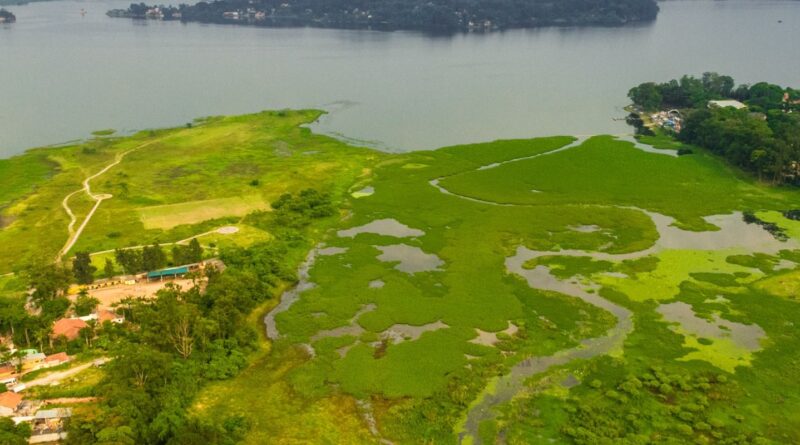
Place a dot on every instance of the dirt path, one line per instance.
(61, 375)
(69, 400)
(221, 230)
(75, 234)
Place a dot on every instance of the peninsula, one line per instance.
(242, 280)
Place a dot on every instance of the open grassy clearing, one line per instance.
(202, 170)
(172, 215)
(20, 175)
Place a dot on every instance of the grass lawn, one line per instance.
(168, 216)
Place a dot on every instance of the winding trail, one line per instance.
(219, 230)
(99, 198)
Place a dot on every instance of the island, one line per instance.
(422, 15)
(7, 17)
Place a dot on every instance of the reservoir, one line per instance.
(64, 74)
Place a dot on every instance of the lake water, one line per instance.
(63, 75)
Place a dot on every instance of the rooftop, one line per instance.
(10, 400)
(726, 103)
(68, 327)
(171, 272)
(55, 413)
(59, 357)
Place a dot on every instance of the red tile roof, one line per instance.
(10, 400)
(68, 327)
(60, 357)
(106, 315)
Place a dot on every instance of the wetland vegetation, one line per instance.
(524, 291)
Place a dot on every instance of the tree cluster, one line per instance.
(153, 257)
(11, 434)
(7, 16)
(426, 15)
(763, 138)
(693, 92)
(180, 340)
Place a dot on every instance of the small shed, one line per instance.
(56, 359)
(172, 272)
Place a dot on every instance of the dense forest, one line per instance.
(7, 16)
(762, 138)
(426, 15)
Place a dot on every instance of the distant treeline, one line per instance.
(7, 16)
(425, 15)
(763, 138)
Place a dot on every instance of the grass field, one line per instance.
(395, 355)
(212, 174)
(168, 216)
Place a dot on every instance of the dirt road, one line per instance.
(61, 375)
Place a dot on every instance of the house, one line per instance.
(726, 103)
(56, 359)
(104, 315)
(33, 359)
(68, 327)
(9, 403)
(7, 371)
(48, 425)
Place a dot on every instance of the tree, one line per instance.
(195, 251)
(765, 96)
(82, 268)
(53, 309)
(89, 332)
(181, 334)
(153, 257)
(129, 259)
(646, 96)
(17, 357)
(178, 254)
(85, 304)
(11, 434)
(42, 336)
(48, 281)
(108, 269)
(12, 315)
(719, 85)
